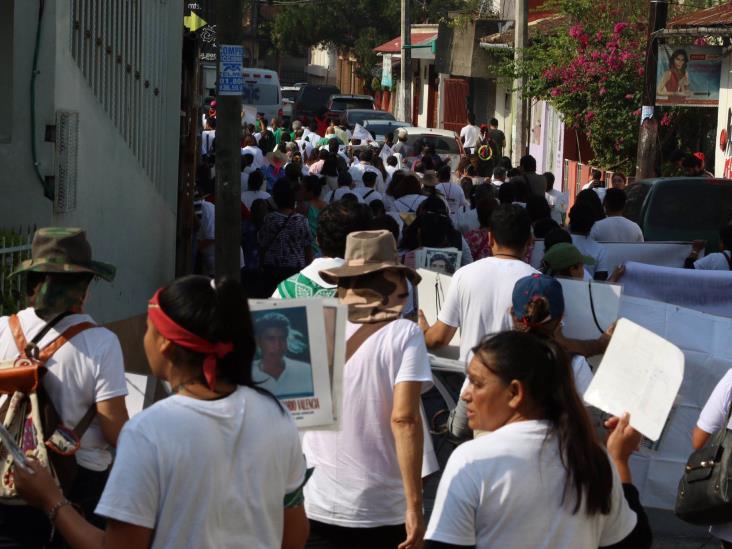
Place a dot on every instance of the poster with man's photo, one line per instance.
(688, 75)
(439, 260)
(294, 359)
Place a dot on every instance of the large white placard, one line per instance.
(590, 307)
(432, 293)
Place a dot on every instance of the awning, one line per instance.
(714, 21)
(417, 37)
(539, 23)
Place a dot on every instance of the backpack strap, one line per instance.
(48, 350)
(18, 335)
(361, 335)
(84, 422)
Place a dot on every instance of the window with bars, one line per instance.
(120, 47)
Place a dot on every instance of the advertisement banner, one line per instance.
(688, 76)
(386, 72)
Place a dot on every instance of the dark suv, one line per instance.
(311, 100)
(339, 104)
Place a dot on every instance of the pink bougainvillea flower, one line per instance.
(620, 27)
(701, 41)
(629, 96)
(603, 91)
(637, 112)
(666, 119)
(575, 31)
(555, 92)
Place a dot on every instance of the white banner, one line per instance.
(666, 254)
(705, 291)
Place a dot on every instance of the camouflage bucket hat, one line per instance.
(63, 250)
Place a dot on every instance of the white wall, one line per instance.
(424, 92)
(129, 221)
(503, 113)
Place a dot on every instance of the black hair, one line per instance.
(494, 122)
(246, 160)
(256, 178)
(293, 172)
(367, 156)
(313, 184)
(499, 172)
(581, 219)
(369, 178)
(528, 163)
(392, 161)
(691, 161)
(283, 194)
(615, 200)
(506, 193)
(386, 223)
(511, 226)
(471, 118)
(216, 315)
(545, 371)
(596, 174)
(378, 209)
(349, 198)
(482, 192)
(344, 179)
(725, 236)
(505, 162)
(675, 54)
(555, 236)
(543, 226)
(443, 174)
(484, 209)
(67, 279)
(408, 185)
(550, 179)
(335, 222)
(592, 200)
(676, 155)
(537, 207)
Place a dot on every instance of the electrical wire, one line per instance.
(47, 188)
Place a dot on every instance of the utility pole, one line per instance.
(648, 135)
(520, 105)
(230, 82)
(406, 64)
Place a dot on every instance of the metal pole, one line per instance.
(406, 64)
(520, 116)
(228, 137)
(648, 135)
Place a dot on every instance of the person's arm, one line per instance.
(699, 438)
(438, 334)
(112, 414)
(584, 347)
(296, 528)
(40, 490)
(696, 247)
(406, 426)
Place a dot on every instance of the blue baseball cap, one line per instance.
(534, 287)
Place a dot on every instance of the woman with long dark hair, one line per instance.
(195, 470)
(675, 81)
(539, 479)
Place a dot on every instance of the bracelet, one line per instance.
(56, 508)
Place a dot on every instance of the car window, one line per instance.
(636, 196)
(315, 96)
(440, 144)
(345, 104)
(290, 94)
(359, 117)
(697, 206)
(256, 93)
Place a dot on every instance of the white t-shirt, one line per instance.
(256, 152)
(479, 299)
(471, 135)
(558, 203)
(408, 203)
(340, 192)
(589, 246)
(616, 228)
(296, 379)
(248, 197)
(207, 141)
(206, 474)
(582, 374)
(714, 262)
(710, 421)
(453, 194)
(357, 481)
(505, 488)
(367, 195)
(466, 219)
(86, 370)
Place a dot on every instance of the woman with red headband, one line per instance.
(195, 469)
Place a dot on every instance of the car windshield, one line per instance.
(345, 104)
(260, 93)
(290, 94)
(701, 205)
(440, 144)
(359, 117)
(383, 128)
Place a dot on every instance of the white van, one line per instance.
(262, 91)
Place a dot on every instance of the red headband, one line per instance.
(168, 328)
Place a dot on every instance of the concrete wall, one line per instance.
(546, 142)
(130, 220)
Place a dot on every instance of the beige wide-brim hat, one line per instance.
(369, 252)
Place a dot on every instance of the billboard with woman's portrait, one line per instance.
(688, 76)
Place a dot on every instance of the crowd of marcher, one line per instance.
(220, 463)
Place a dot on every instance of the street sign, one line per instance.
(231, 80)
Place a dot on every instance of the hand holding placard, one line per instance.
(640, 373)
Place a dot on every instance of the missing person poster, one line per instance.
(299, 356)
(439, 260)
(688, 76)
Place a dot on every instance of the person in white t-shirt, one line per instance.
(84, 376)
(712, 419)
(558, 201)
(581, 221)
(718, 261)
(615, 227)
(366, 490)
(368, 193)
(470, 134)
(250, 147)
(540, 454)
(218, 464)
(254, 189)
(452, 192)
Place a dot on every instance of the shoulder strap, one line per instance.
(27, 349)
(361, 335)
(61, 340)
(729, 259)
(368, 194)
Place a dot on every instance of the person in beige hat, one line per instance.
(366, 490)
(85, 375)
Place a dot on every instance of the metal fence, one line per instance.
(15, 246)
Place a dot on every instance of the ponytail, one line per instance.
(545, 371)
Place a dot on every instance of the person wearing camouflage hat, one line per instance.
(366, 490)
(84, 376)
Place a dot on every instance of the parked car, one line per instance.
(262, 91)
(359, 116)
(681, 208)
(379, 129)
(445, 143)
(312, 99)
(338, 105)
(289, 95)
